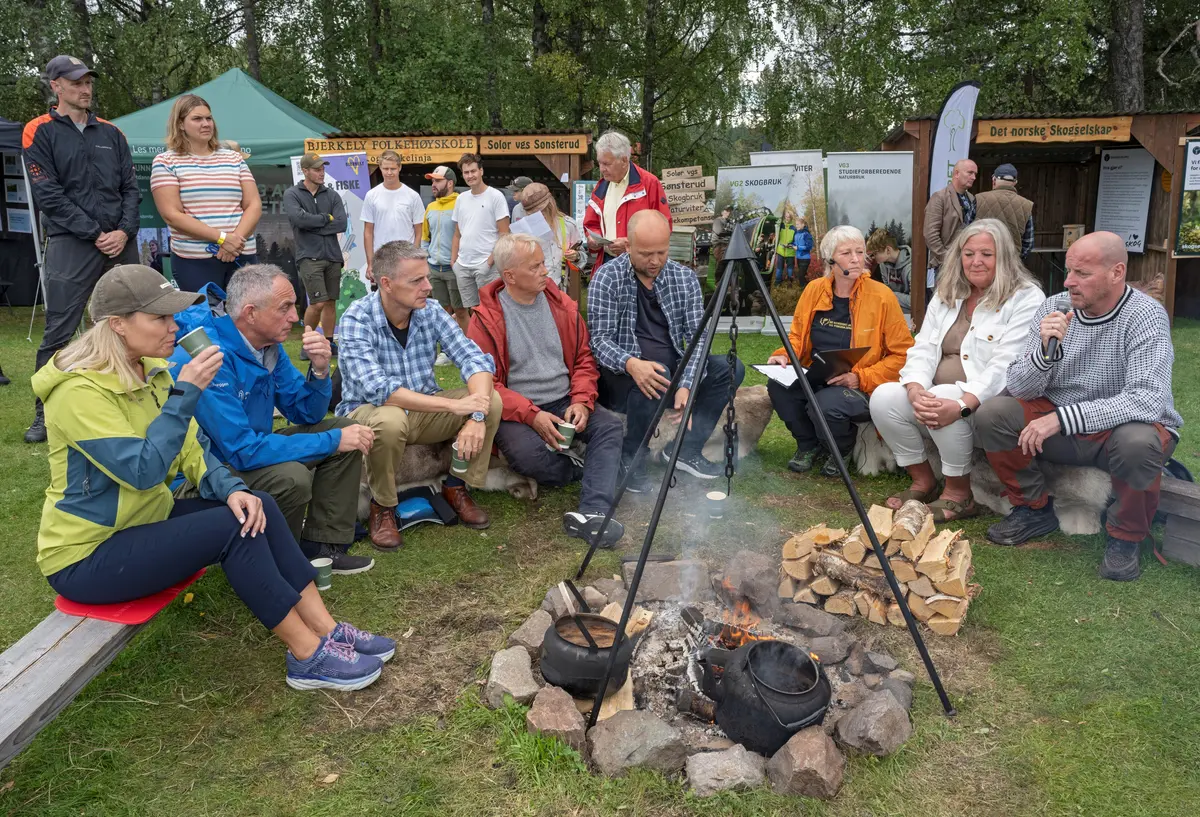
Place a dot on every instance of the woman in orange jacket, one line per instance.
(843, 310)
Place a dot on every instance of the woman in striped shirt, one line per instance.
(207, 196)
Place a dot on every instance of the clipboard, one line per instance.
(833, 362)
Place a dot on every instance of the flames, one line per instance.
(740, 621)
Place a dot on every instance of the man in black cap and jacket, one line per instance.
(82, 179)
(1003, 202)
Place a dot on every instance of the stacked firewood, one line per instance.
(840, 573)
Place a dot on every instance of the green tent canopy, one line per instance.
(264, 124)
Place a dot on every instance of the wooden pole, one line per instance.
(920, 196)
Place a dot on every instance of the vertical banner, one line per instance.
(1123, 199)
(762, 158)
(872, 190)
(1187, 240)
(350, 176)
(581, 192)
(952, 139)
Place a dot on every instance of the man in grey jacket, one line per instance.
(948, 211)
(317, 215)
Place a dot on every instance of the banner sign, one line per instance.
(1123, 200)
(702, 183)
(426, 150)
(698, 219)
(546, 143)
(783, 157)
(1084, 129)
(749, 188)
(1187, 240)
(952, 139)
(350, 176)
(581, 192)
(693, 172)
(679, 196)
(872, 190)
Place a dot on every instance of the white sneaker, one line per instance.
(442, 360)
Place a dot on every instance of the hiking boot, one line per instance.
(585, 526)
(639, 482)
(468, 512)
(1121, 562)
(698, 466)
(364, 643)
(4, 381)
(333, 666)
(830, 469)
(802, 461)
(343, 563)
(36, 433)
(1022, 524)
(384, 534)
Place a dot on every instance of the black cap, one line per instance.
(1007, 172)
(67, 66)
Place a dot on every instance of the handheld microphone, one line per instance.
(1061, 304)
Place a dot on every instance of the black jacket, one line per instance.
(83, 183)
(314, 231)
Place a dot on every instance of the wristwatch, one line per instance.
(964, 409)
(478, 416)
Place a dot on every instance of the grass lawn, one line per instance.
(1075, 696)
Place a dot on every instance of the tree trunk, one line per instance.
(574, 39)
(1127, 27)
(541, 47)
(374, 26)
(489, 16)
(328, 49)
(250, 24)
(649, 82)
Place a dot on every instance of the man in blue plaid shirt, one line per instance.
(389, 342)
(643, 308)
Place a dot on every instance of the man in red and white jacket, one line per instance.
(624, 190)
(545, 375)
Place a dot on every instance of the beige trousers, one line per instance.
(395, 428)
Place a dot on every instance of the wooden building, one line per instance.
(1058, 159)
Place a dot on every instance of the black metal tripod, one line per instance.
(738, 256)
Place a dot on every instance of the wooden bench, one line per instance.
(1180, 502)
(45, 670)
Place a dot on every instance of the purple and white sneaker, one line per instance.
(364, 643)
(333, 666)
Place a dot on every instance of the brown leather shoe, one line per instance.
(468, 512)
(382, 524)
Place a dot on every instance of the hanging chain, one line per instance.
(731, 429)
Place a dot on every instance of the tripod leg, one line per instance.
(835, 454)
(710, 333)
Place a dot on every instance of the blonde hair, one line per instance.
(548, 209)
(176, 139)
(1011, 275)
(390, 156)
(836, 237)
(510, 246)
(101, 350)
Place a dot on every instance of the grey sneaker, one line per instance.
(585, 526)
(802, 461)
(1121, 561)
(1022, 524)
(343, 563)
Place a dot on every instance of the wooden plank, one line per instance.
(60, 658)
(1181, 548)
(1179, 498)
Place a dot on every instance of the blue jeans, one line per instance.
(621, 394)
(267, 572)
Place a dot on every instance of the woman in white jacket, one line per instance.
(977, 323)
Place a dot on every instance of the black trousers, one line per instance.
(842, 408)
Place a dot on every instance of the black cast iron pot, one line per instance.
(576, 651)
(769, 691)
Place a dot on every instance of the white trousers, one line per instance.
(894, 419)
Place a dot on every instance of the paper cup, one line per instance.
(716, 504)
(196, 341)
(458, 466)
(567, 430)
(324, 567)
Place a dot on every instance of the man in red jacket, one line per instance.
(545, 375)
(624, 190)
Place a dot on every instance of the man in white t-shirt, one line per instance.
(393, 211)
(480, 218)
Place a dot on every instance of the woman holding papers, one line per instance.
(847, 313)
(976, 324)
(563, 244)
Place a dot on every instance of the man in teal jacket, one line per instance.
(313, 465)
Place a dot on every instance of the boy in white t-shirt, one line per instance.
(393, 211)
(480, 218)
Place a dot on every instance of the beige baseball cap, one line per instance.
(137, 288)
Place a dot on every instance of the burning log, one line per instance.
(838, 568)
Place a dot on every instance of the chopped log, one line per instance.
(825, 585)
(916, 546)
(853, 575)
(612, 611)
(880, 518)
(800, 569)
(568, 599)
(862, 600)
(918, 607)
(806, 596)
(841, 603)
(944, 626)
(958, 574)
(787, 587)
(948, 606)
(933, 560)
(891, 548)
(907, 521)
(856, 545)
(618, 701)
(903, 569)
(877, 614)
(894, 616)
(871, 561)
(800, 545)
(922, 587)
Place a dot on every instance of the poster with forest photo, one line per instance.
(1187, 241)
(872, 190)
